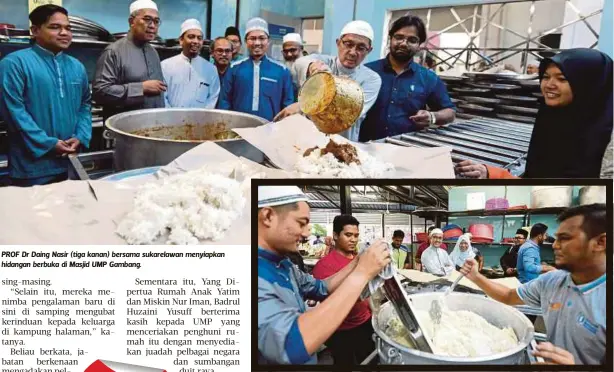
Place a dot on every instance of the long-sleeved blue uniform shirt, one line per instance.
(282, 290)
(43, 98)
(261, 88)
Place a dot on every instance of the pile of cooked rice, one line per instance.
(190, 207)
(329, 166)
(460, 334)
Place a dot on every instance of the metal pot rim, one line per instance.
(522, 345)
(110, 121)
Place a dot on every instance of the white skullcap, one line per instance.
(292, 38)
(436, 231)
(190, 24)
(361, 28)
(271, 196)
(142, 4)
(256, 24)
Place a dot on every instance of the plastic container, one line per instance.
(450, 227)
(453, 233)
(497, 203)
(482, 232)
(551, 196)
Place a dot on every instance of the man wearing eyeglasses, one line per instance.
(128, 73)
(222, 55)
(192, 80)
(257, 85)
(353, 45)
(407, 87)
(510, 257)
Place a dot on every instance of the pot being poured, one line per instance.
(333, 103)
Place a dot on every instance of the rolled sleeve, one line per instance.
(309, 286)
(278, 325)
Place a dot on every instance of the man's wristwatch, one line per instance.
(433, 118)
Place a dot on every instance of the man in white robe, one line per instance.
(191, 80)
(353, 45)
(435, 260)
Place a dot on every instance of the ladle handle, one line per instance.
(451, 288)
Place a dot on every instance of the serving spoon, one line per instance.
(436, 306)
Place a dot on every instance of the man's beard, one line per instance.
(402, 57)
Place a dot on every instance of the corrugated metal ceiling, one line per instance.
(394, 199)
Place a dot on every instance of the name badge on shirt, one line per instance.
(592, 328)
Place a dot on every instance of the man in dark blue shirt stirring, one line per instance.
(406, 88)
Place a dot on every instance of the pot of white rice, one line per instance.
(510, 330)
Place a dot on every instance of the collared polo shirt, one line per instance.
(575, 315)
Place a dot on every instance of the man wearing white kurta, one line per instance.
(353, 45)
(435, 260)
(192, 80)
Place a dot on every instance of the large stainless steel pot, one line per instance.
(146, 138)
(333, 103)
(500, 315)
(592, 194)
(551, 196)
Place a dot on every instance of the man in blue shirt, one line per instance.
(529, 264)
(257, 85)
(45, 100)
(287, 332)
(573, 298)
(407, 88)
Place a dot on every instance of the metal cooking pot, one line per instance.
(496, 313)
(152, 137)
(333, 103)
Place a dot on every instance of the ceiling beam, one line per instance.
(329, 199)
(404, 198)
(428, 192)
